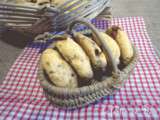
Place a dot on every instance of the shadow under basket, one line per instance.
(82, 96)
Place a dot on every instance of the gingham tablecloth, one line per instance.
(22, 97)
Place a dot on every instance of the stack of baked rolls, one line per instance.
(75, 59)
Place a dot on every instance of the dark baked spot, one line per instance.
(48, 63)
(74, 56)
(33, 1)
(54, 48)
(72, 74)
(97, 52)
(101, 46)
(43, 3)
(51, 72)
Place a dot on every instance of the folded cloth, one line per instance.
(22, 97)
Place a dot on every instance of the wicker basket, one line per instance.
(79, 97)
(89, 9)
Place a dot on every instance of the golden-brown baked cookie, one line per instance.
(58, 70)
(113, 46)
(124, 43)
(75, 56)
(93, 51)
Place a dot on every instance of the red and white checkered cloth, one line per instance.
(22, 97)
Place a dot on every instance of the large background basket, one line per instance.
(79, 97)
(91, 9)
(88, 9)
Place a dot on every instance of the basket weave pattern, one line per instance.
(79, 97)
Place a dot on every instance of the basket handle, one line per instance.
(106, 49)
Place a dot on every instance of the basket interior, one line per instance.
(98, 74)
